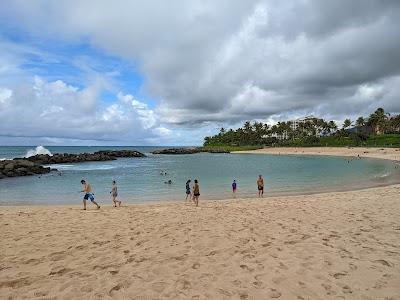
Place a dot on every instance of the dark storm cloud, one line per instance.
(227, 61)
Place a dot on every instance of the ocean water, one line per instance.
(139, 179)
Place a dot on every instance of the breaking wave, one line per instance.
(37, 150)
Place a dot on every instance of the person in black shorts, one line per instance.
(260, 186)
(196, 192)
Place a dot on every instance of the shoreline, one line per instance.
(364, 152)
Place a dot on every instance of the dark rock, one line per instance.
(58, 158)
(177, 151)
(33, 165)
(188, 151)
(20, 167)
(216, 151)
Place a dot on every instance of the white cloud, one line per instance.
(5, 95)
(211, 62)
(56, 110)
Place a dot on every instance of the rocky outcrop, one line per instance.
(178, 151)
(33, 165)
(21, 167)
(215, 151)
(62, 158)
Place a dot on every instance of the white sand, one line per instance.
(381, 153)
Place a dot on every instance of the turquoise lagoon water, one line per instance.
(139, 179)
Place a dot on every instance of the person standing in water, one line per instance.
(196, 192)
(234, 186)
(87, 189)
(188, 191)
(114, 194)
(260, 186)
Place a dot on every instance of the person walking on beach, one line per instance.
(234, 185)
(87, 189)
(196, 192)
(114, 194)
(188, 191)
(260, 185)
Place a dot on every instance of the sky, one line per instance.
(97, 72)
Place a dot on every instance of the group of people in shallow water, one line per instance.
(192, 193)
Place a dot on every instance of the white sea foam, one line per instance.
(83, 167)
(382, 175)
(37, 150)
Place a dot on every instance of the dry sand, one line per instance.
(326, 246)
(382, 153)
(341, 245)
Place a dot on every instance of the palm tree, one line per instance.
(360, 122)
(378, 121)
(247, 127)
(347, 123)
(332, 125)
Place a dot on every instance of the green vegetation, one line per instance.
(378, 130)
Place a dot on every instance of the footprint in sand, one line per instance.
(16, 283)
(181, 285)
(346, 289)
(224, 292)
(328, 289)
(196, 266)
(339, 275)
(56, 256)
(247, 268)
(114, 289)
(384, 262)
(59, 272)
(159, 286)
(273, 293)
(41, 293)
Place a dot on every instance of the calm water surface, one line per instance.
(139, 179)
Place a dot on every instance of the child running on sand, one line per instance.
(114, 194)
(87, 189)
(196, 192)
(260, 186)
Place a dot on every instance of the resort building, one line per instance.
(295, 123)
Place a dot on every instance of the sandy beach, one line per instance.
(339, 245)
(381, 153)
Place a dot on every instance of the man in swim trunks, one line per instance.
(260, 185)
(196, 192)
(87, 189)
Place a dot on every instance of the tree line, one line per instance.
(259, 133)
